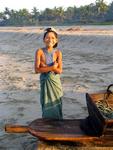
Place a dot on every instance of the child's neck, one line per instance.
(49, 49)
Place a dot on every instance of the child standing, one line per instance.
(48, 62)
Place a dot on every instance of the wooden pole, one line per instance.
(16, 129)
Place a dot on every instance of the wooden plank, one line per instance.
(54, 130)
(59, 130)
(16, 128)
(64, 131)
(102, 142)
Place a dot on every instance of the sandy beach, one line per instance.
(87, 67)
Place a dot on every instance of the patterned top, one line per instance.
(48, 56)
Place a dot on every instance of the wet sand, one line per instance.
(87, 64)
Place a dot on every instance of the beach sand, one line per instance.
(87, 67)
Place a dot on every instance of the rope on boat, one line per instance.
(106, 110)
(103, 105)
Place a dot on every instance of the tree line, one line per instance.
(94, 13)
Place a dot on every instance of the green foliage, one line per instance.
(99, 12)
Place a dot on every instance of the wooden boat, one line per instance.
(95, 129)
(61, 131)
(53, 130)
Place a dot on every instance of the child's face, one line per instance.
(50, 40)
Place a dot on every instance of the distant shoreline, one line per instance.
(65, 30)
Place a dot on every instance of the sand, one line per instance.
(87, 67)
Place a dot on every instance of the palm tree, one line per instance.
(59, 13)
(35, 15)
(101, 6)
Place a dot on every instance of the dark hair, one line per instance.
(55, 33)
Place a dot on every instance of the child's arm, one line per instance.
(58, 64)
(42, 64)
(37, 60)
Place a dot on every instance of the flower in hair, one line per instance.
(50, 29)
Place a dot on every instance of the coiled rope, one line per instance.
(103, 105)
